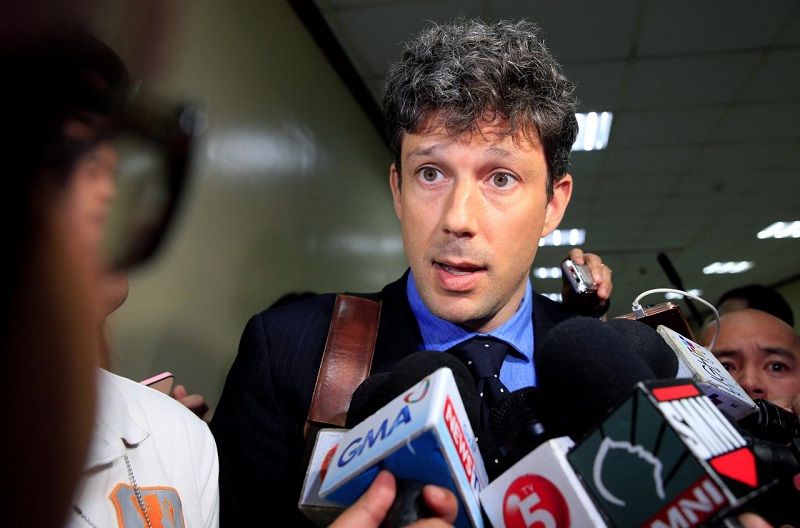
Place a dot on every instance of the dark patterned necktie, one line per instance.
(484, 356)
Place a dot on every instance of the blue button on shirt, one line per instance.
(518, 369)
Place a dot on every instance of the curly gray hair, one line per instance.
(470, 69)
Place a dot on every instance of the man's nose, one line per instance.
(462, 209)
(752, 382)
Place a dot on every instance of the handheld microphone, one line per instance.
(423, 435)
(541, 489)
(519, 423)
(761, 418)
(648, 345)
(585, 367)
(672, 355)
(667, 456)
(570, 364)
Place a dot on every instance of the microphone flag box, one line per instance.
(423, 434)
(698, 363)
(321, 511)
(667, 456)
(541, 489)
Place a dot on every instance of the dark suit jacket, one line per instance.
(258, 422)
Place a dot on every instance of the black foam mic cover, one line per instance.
(519, 423)
(648, 344)
(379, 389)
(370, 396)
(585, 368)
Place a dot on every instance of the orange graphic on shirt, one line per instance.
(164, 507)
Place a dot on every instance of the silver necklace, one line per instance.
(136, 491)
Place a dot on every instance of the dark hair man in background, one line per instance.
(756, 296)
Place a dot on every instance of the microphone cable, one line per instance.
(638, 310)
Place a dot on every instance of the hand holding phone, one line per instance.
(161, 382)
(580, 276)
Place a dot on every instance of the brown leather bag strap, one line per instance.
(346, 361)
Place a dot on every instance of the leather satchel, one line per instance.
(346, 361)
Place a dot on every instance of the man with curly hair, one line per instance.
(481, 120)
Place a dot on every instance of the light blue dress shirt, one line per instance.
(518, 369)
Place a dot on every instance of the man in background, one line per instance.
(761, 352)
(756, 296)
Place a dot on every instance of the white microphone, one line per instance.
(541, 490)
(699, 364)
(423, 435)
(321, 511)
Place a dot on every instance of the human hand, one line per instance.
(593, 304)
(752, 520)
(371, 508)
(194, 402)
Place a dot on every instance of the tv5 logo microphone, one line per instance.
(541, 490)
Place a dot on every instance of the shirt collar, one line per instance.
(114, 426)
(438, 334)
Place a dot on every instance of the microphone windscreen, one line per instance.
(585, 367)
(412, 368)
(519, 423)
(379, 389)
(648, 344)
(367, 399)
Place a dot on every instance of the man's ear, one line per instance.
(557, 206)
(394, 184)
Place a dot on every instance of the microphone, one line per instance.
(541, 490)
(761, 418)
(671, 354)
(648, 345)
(772, 422)
(603, 367)
(415, 421)
(322, 511)
(368, 398)
(520, 422)
(379, 389)
(594, 354)
(667, 456)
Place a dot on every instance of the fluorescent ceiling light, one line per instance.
(781, 230)
(553, 296)
(671, 296)
(547, 273)
(564, 237)
(728, 267)
(593, 131)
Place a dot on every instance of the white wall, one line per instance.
(290, 192)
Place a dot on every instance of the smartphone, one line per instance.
(161, 382)
(580, 276)
(668, 314)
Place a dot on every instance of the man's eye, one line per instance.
(502, 180)
(728, 367)
(777, 367)
(429, 174)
